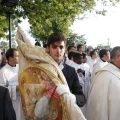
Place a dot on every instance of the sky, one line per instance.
(98, 29)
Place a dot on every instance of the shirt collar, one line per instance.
(103, 60)
(115, 65)
(11, 65)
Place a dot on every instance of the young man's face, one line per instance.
(15, 58)
(81, 49)
(57, 50)
(84, 59)
(72, 49)
(107, 56)
(95, 55)
(88, 53)
(79, 60)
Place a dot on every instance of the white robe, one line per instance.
(87, 79)
(97, 67)
(69, 62)
(80, 76)
(83, 80)
(104, 100)
(91, 62)
(9, 78)
(88, 58)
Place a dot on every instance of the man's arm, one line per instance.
(77, 91)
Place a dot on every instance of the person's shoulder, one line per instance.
(98, 62)
(69, 67)
(66, 65)
(4, 67)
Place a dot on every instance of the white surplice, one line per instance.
(87, 78)
(80, 75)
(9, 78)
(97, 67)
(104, 100)
(91, 62)
(84, 80)
(88, 57)
(69, 62)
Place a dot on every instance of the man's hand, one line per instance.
(63, 89)
(80, 70)
(81, 101)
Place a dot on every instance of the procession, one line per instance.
(57, 78)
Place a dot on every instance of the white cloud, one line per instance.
(99, 28)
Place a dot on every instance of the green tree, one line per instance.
(55, 15)
(4, 45)
(74, 39)
(47, 16)
(3, 25)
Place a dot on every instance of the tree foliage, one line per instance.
(5, 44)
(74, 39)
(47, 16)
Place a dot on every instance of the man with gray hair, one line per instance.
(104, 96)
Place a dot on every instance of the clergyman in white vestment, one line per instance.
(103, 102)
(9, 79)
(104, 56)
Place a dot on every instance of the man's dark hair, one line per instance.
(70, 55)
(103, 52)
(79, 46)
(92, 53)
(77, 55)
(55, 37)
(84, 55)
(88, 49)
(69, 47)
(10, 53)
(45, 45)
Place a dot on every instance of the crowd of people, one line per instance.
(92, 76)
